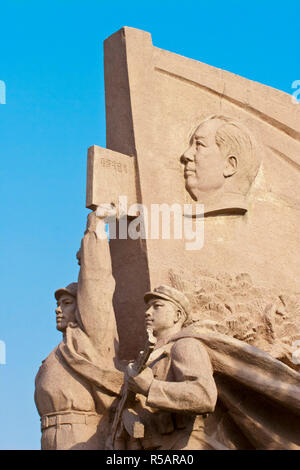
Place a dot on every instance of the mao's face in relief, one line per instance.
(203, 161)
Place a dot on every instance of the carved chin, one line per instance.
(191, 187)
(196, 188)
(60, 327)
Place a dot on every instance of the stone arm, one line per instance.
(193, 389)
(95, 314)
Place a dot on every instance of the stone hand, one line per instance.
(103, 211)
(141, 382)
(106, 210)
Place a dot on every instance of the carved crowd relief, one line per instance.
(232, 305)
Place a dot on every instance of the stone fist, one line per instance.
(141, 382)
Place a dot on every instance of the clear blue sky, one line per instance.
(51, 60)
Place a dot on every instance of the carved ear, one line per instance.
(178, 315)
(230, 166)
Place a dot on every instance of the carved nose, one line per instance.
(58, 310)
(186, 157)
(148, 313)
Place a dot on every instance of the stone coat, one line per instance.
(180, 396)
(258, 405)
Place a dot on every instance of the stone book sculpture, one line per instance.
(199, 191)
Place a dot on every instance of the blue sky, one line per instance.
(51, 60)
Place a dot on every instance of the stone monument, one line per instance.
(199, 186)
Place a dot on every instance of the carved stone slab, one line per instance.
(109, 175)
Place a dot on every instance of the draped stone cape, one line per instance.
(80, 354)
(259, 396)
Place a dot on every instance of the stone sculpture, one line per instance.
(176, 389)
(154, 98)
(220, 164)
(226, 317)
(78, 381)
(194, 365)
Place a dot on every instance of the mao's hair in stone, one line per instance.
(233, 138)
